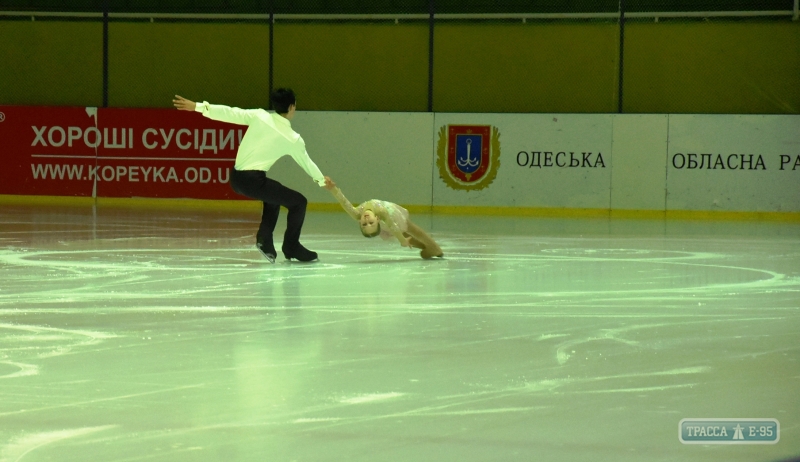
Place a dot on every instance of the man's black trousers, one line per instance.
(255, 185)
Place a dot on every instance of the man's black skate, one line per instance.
(299, 253)
(267, 250)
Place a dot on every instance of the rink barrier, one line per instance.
(527, 212)
(560, 165)
(541, 212)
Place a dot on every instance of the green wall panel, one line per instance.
(220, 63)
(354, 67)
(525, 68)
(51, 63)
(670, 67)
(737, 68)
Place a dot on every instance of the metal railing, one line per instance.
(655, 15)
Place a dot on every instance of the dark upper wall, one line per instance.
(392, 6)
(679, 66)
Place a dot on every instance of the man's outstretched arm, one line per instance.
(183, 104)
(219, 112)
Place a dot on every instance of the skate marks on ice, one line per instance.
(21, 345)
(22, 445)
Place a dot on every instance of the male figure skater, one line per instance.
(269, 137)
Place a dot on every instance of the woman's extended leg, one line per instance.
(431, 249)
(414, 242)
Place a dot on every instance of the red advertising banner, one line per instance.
(71, 151)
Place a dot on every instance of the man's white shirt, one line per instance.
(269, 137)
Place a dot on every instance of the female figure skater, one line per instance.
(388, 220)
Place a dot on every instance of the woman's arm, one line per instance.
(404, 241)
(383, 214)
(337, 193)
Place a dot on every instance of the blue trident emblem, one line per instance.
(468, 152)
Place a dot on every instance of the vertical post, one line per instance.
(796, 10)
(431, 12)
(271, 46)
(105, 53)
(621, 51)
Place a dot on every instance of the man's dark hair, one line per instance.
(281, 99)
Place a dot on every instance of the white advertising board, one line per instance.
(537, 160)
(370, 155)
(651, 162)
(639, 171)
(734, 163)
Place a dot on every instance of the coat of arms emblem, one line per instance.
(468, 156)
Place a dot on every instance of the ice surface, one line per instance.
(163, 335)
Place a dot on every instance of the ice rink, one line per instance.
(135, 334)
